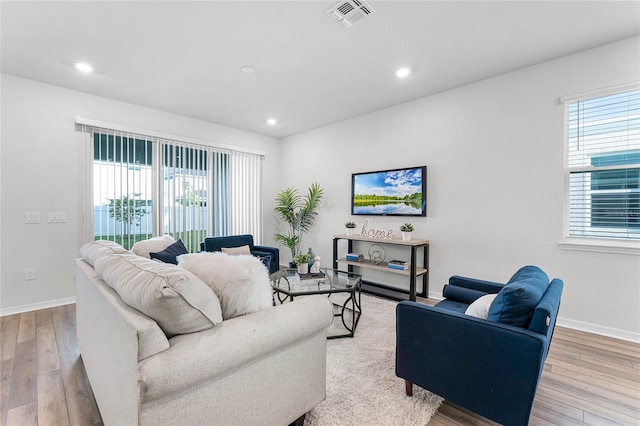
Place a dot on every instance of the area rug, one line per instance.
(362, 388)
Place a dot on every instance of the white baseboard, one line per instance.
(588, 327)
(36, 306)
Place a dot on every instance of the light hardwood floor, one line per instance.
(587, 380)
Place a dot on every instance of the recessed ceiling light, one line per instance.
(403, 72)
(247, 69)
(83, 66)
(272, 122)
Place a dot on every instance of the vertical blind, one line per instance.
(245, 192)
(603, 165)
(185, 189)
(122, 176)
(146, 185)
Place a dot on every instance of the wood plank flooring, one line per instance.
(43, 380)
(587, 380)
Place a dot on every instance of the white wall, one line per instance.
(42, 171)
(494, 152)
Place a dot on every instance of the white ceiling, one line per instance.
(185, 57)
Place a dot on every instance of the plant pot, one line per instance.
(350, 231)
(406, 236)
(303, 268)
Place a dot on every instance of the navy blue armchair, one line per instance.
(489, 366)
(269, 255)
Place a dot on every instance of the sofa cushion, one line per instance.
(171, 253)
(241, 282)
(515, 303)
(155, 244)
(480, 308)
(176, 299)
(94, 250)
(236, 250)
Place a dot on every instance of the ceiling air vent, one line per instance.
(348, 12)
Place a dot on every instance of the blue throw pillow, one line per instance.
(266, 260)
(515, 303)
(171, 253)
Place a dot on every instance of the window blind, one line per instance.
(603, 165)
(122, 186)
(186, 187)
(146, 185)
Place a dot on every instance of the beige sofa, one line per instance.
(263, 368)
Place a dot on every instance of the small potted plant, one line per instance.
(350, 227)
(302, 260)
(406, 229)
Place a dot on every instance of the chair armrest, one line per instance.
(475, 284)
(466, 359)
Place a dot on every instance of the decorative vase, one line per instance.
(312, 259)
(303, 268)
(406, 236)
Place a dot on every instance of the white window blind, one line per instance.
(147, 185)
(186, 189)
(602, 145)
(245, 195)
(122, 169)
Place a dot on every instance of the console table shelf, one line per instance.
(413, 272)
(382, 267)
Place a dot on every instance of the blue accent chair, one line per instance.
(489, 366)
(269, 255)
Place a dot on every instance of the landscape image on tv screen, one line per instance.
(399, 192)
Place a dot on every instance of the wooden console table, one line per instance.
(413, 272)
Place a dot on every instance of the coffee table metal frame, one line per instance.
(284, 283)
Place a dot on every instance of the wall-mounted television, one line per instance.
(396, 192)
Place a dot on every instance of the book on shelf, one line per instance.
(398, 267)
(355, 257)
(398, 262)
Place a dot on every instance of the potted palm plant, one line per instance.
(298, 212)
(406, 229)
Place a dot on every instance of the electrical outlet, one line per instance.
(32, 217)
(57, 217)
(29, 274)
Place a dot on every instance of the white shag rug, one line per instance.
(362, 387)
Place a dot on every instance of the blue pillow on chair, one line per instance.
(515, 303)
(171, 253)
(266, 260)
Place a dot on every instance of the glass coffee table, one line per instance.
(287, 284)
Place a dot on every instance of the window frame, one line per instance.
(629, 246)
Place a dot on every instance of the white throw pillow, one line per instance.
(94, 250)
(176, 299)
(236, 250)
(480, 308)
(152, 245)
(241, 282)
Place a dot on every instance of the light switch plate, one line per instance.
(57, 217)
(32, 217)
